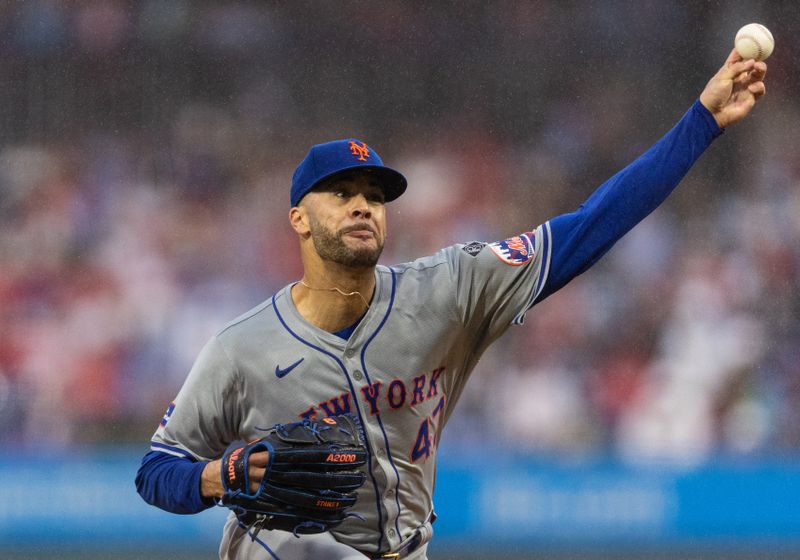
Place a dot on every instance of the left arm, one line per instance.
(581, 238)
(172, 483)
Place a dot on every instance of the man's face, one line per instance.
(347, 220)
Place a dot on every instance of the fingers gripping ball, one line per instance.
(754, 41)
(310, 480)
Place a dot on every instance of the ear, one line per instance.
(298, 218)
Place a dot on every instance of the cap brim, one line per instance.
(393, 182)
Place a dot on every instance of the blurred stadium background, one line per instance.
(650, 409)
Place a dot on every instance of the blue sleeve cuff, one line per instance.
(198, 502)
(705, 115)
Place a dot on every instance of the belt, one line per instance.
(410, 546)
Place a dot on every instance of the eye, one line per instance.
(376, 197)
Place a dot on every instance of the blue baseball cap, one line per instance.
(323, 161)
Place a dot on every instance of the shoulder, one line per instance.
(424, 271)
(256, 322)
(459, 257)
(441, 270)
(248, 317)
(430, 264)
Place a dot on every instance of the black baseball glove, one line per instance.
(310, 479)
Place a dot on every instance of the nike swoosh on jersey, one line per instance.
(286, 371)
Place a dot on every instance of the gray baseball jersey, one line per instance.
(401, 371)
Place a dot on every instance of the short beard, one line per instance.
(330, 246)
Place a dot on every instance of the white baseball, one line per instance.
(754, 41)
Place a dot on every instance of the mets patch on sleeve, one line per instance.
(515, 251)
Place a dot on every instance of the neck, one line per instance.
(332, 297)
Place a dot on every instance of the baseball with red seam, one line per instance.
(754, 41)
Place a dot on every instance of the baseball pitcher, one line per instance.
(316, 416)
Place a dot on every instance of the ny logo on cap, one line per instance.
(360, 151)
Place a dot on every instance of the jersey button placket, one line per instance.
(358, 375)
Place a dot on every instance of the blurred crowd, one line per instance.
(145, 159)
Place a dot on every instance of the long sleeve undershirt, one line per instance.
(171, 483)
(579, 239)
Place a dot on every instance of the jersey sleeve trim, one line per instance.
(170, 450)
(544, 270)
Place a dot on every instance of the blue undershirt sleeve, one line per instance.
(581, 238)
(171, 483)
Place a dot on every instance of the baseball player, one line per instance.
(391, 347)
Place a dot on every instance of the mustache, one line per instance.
(358, 226)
